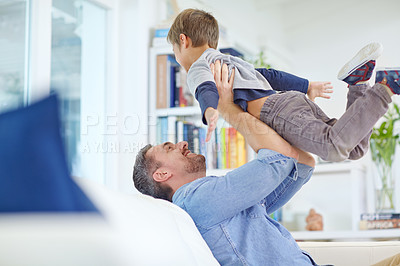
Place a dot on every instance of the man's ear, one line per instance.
(184, 40)
(162, 175)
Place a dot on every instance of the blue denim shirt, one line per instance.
(231, 212)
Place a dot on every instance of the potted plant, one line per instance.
(384, 140)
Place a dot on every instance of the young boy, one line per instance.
(194, 36)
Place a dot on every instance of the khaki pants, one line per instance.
(392, 261)
(304, 125)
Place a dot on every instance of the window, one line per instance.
(12, 53)
(78, 76)
(58, 46)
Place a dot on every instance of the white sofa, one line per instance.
(134, 230)
(137, 230)
(351, 253)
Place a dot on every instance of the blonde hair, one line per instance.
(201, 27)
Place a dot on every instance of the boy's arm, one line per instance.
(282, 81)
(207, 96)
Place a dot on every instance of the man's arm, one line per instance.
(257, 134)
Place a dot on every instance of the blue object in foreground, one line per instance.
(34, 175)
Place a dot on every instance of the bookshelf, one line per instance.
(167, 116)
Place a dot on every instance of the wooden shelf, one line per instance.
(347, 235)
(346, 166)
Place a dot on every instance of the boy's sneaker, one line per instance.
(392, 76)
(361, 66)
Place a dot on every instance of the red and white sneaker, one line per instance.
(392, 76)
(361, 66)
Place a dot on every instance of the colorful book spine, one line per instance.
(171, 129)
(179, 131)
(164, 129)
(226, 149)
(161, 83)
(196, 140)
(241, 149)
(202, 139)
(232, 148)
(379, 216)
(223, 148)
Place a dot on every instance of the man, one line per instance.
(231, 212)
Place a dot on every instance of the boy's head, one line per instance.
(200, 26)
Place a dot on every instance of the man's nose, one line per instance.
(182, 145)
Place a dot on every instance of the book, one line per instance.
(171, 129)
(202, 139)
(223, 148)
(241, 149)
(190, 136)
(232, 148)
(179, 131)
(218, 148)
(161, 85)
(164, 129)
(379, 216)
(380, 224)
(173, 92)
(227, 150)
(196, 141)
(160, 37)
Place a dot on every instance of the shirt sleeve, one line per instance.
(220, 198)
(207, 96)
(283, 81)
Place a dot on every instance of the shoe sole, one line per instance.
(369, 52)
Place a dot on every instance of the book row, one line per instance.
(379, 224)
(379, 216)
(226, 149)
(171, 87)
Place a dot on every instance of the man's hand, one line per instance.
(319, 89)
(224, 85)
(211, 116)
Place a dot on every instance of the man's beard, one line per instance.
(195, 164)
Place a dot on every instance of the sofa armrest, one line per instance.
(351, 253)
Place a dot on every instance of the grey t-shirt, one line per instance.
(246, 77)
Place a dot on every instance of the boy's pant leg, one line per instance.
(302, 123)
(365, 106)
(353, 94)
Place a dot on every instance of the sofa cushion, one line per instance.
(34, 176)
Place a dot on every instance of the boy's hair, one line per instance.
(201, 27)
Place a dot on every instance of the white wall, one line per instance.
(322, 35)
(136, 17)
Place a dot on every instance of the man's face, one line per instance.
(178, 158)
